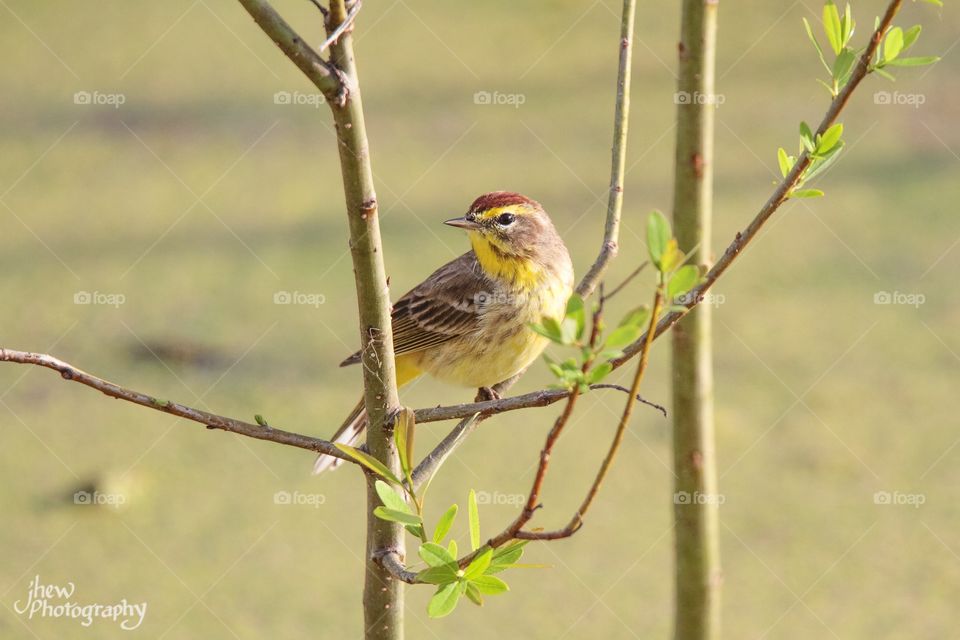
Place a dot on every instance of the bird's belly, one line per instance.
(503, 346)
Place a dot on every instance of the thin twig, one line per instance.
(321, 73)
(617, 289)
(780, 194)
(346, 24)
(211, 420)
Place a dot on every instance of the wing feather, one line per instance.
(443, 307)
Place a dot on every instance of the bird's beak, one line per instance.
(462, 223)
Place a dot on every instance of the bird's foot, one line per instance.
(486, 393)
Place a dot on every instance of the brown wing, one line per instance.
(442, 307)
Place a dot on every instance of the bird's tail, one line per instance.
(349, 433)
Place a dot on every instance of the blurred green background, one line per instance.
(202, 196)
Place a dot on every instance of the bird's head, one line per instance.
(512, 235)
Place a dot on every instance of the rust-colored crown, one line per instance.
(498, 199)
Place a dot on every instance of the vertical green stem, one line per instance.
(382, 594)
(697, 577)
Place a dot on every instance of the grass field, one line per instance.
(199, 198)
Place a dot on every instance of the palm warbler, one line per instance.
(468, 322)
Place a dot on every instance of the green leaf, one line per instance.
(816, 44)
(843, 66)
(784, 161)
(658, 235)
(506, 556)
(416, 530)
(368, 461)
(490, 585)
(568, 331)
(910, 36)
(806, 193)
(473, 515)
(672, 256)
(829, 139)
(576, 311)
(883, 74)
(599, 372)
(848, 25)
(403, 437)
(622, 336)
(806, 137)
(393, 515)
(438, 575)
(832, 27)
(682, 281)
(452, 549)
(636, 317)
(892, 44)
(938, 3)
(436, 556)
(444, 524)
(478, 566)
(820, 164)
(444, 601)
(474, 594)
(919, 61)
(390, 498)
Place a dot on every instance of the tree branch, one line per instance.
(212, 421)
(743, 238)
(320, 72)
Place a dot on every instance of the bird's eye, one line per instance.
(506, 219)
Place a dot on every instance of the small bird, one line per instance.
(468, 323)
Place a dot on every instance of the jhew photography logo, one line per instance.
(899, 297)
(685, 497)
(96, 98)
(298, 98)
(899, 99)
(497, 98)
(915, 500)
(299, 297)
(99, 298)
(685, 97)
(56, 601)
(299, 499)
